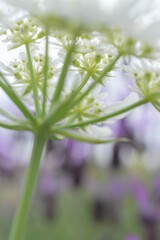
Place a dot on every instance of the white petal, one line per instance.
(98, 132)
(131, 99)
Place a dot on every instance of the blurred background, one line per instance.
(88, 192)
(98, 192)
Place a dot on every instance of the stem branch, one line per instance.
(108, 116)
(34, 84)
(45, 76)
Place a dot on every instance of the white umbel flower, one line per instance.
(72, 11)
(146, 74)
(139, 18)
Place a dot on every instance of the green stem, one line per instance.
(99, 79)
(45, 76)
(7, 88)
(34, 84)
(20, 126)
(80, 87)
(55, 114)
(84, 138)
(8, 115)
(18, 226)
(108, 116)
(63, 74)
(66, 106)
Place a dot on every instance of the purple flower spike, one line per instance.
(48, 185)
(77, 152)
(142, 197)
(132, 237)
(157, 187)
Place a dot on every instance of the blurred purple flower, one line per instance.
(132, 237)
(117, 187)
(122, 129)
(142, 198)
(77, 154)
(48, 189)
(147, 211)
(12, 145)
(47, 185)
(157, 187)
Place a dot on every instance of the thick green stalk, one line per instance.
(34, 83)
(18, 226)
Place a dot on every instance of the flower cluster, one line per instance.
(69, 51)
(131, 16)
(22, 31)
(91, 59)
(146, 74)
(18, 70)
